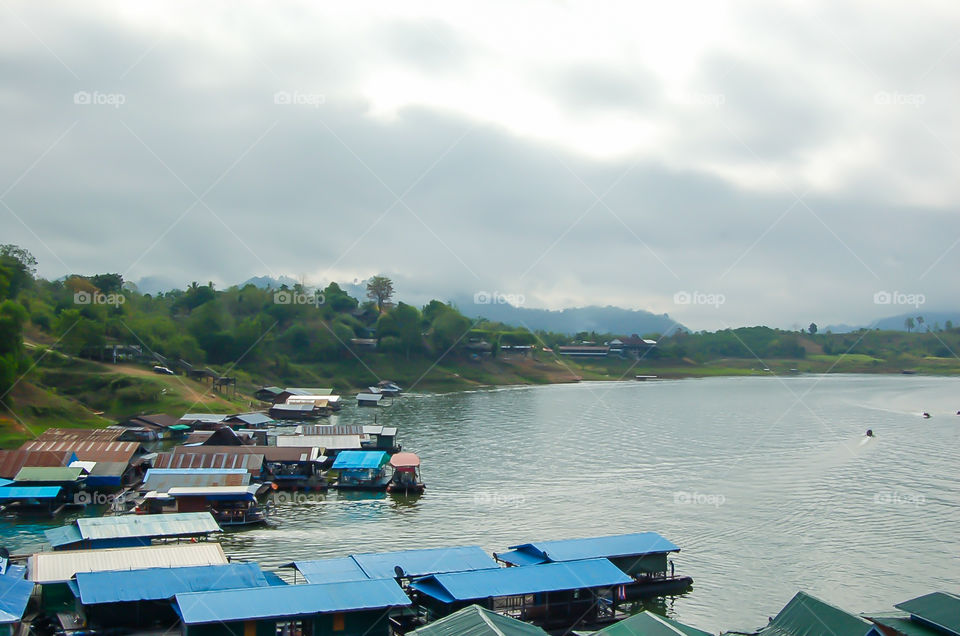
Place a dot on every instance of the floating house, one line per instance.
(477, 621)
(15, 594)
(53, 571)
(229, 505)
(130, 530)
(403, 564)
(935, 614)
(118, 599)
(355, 608)
(641, 555)
(11, 461)
(647, 623)
(163, 479)
(299, 466)
(255, 419)
(127, 453)
(362, 470)
(108, 434)
(267, 393)
(31, 499)
(326, 403)
(554, 595)
(186, 457)
(369, 399)
(301, 391)
(297, 412)
(406, 475)
(66, 477)
(806, 615)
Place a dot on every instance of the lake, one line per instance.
(768, 485)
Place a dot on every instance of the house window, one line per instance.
(290, 628)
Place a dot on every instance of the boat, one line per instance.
(406, 475)
(229, 505)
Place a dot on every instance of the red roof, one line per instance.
(405, 460)
(11, 461)
(88, 451)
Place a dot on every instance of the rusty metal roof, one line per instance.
(339, 429)
(162, 480)
(111, 434)
(269, 453)
(251, 463)
(11, 461)
(88, 451)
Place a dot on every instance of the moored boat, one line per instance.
(406, 475)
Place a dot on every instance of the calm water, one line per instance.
(767, 484)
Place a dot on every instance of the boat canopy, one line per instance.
(620, 545)
(552, 577)
(288, 600)
(164, 583)
(405, 460)
(354, 460)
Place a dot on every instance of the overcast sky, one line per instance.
(778, 164)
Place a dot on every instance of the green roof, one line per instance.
(903, 625)
(939, 609)
(649, 624)
(48, 473)
(179, 427)
(806, 615)
(476, 621)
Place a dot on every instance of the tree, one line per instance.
(402, 322)
(919, 322)
(380, 289)
(948, 325)
(909, 324)
(813, 328)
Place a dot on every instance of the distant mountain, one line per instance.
(591, 318)
(897, 323)
(155, 284)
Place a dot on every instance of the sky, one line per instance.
(727, 163)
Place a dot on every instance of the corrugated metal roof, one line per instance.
(300, 390)
(14, 596)
(8, 493)
(332, 442)
(382, 565)
(214, 491)
(109, 434)
(251, 463)
(163, 583)
(293, 408)
(11, 461)
(590, 548)
(477, 621)
(938, 609)
(163, 479)
(269, 453)
(572, 575)
(289, 600)
(87, 450)
(649, 624)
(59, 567)
(49, 474)
(349, 460)
(903, 625)
(207, 418)
(64, 535)
(251, 419)
(369, 397)
(331, 429)
(179, 524)
(806, 615)
(389, 431)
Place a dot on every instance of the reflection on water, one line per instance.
(765, 483)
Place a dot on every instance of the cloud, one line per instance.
(569, 164)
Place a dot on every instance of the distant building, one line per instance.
(584, 351)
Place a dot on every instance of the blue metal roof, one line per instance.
(289, 600)
(64, 535)
(29, 492)
(6, 482)
(180, 524)
(151, 584)
(620, 545)
(336, 570)
(350, 460)
(415, 563)
(465, 586)
(14, 596)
